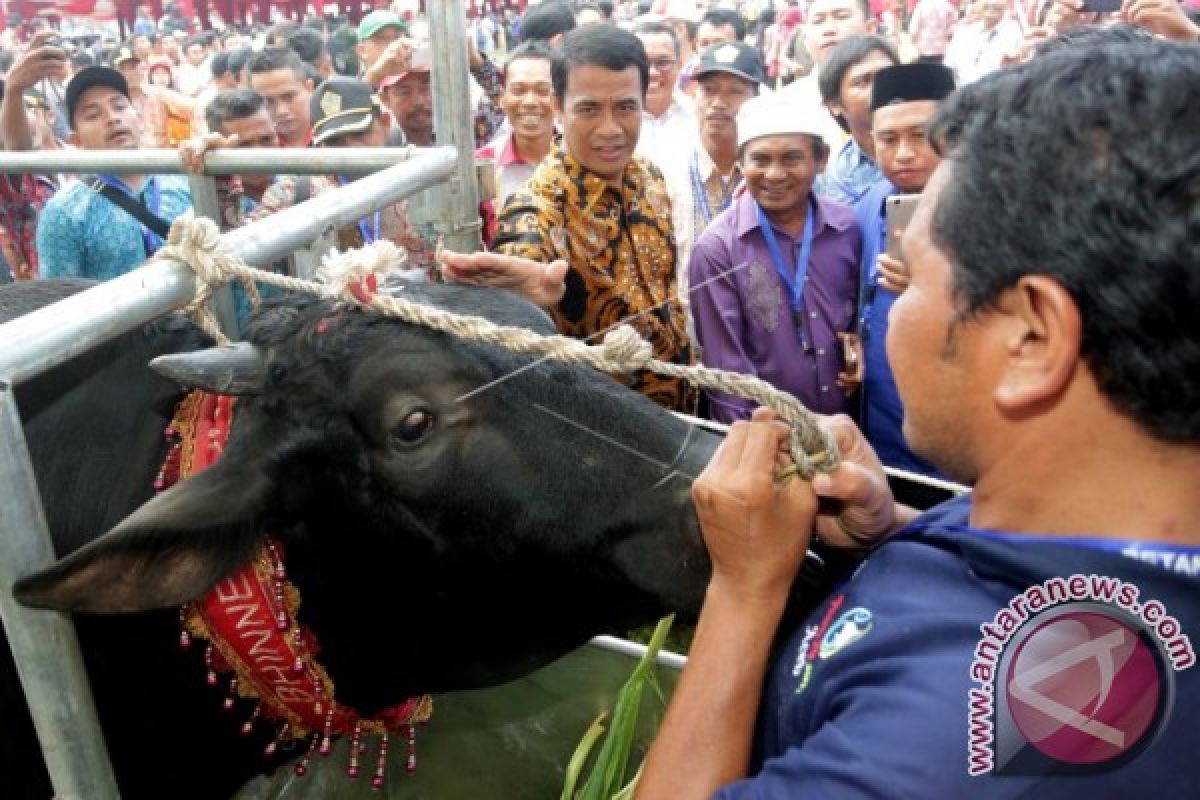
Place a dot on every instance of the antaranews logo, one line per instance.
(1074, 671)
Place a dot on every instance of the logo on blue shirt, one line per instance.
(848, 629)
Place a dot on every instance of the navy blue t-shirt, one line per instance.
(883, 691)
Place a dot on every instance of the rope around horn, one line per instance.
(196, 242)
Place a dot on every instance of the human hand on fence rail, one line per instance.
(756, 527)
(1165, 18)
(192, 151)
(540, 283)
(39, 61)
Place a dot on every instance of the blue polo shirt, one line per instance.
(81, 234)
(872, 695)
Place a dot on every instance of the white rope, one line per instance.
(196, 242)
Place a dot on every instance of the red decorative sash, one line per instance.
(249, 620)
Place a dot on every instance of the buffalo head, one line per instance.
(454, 515)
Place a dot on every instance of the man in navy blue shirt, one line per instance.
(904, 99)
(1035, 638)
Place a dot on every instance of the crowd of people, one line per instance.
(736, 182)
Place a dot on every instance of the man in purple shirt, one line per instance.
(775, 277)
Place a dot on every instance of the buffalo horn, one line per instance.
(239, 368)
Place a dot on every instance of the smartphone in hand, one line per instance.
(899, 212)
(1103, 6)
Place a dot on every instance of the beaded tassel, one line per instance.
(211, 677)
(327, 739)
(301, 769)
(232, 696)
(381, 765)
(185, 639)
(410, 766)
(270, 749)
(355, 741)
(248, 725)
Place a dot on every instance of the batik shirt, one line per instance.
(22, 197)
(82, 234)
(620, 249)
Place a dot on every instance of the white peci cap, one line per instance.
(773, 115)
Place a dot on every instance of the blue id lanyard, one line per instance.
(150, 239)
(370, 235)
(701, 193)
(794, 284)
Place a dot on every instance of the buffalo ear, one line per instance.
(167, 553)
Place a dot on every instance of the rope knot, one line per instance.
(626, 349)
(197, 242)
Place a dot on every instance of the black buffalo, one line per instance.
(454, 516)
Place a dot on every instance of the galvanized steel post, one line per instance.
(43, 643)
(454, 207)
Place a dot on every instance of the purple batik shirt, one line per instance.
(744, 321)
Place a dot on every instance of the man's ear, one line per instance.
(1041, 332)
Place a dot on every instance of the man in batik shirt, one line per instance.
(605, 213)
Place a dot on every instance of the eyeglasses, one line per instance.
(662, 64)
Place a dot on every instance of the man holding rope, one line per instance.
(1031, 639)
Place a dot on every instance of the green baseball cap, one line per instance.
(377, 20)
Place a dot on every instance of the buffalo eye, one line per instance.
(415, 426)
(277, 373)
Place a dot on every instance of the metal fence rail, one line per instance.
(43, 643)
(233, 161)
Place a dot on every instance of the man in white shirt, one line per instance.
(998, 37)
(828, 24)
(669, 121)
(703, 173)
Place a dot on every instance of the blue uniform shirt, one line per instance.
(872, 696)
(850, 174)
(81, 234)
(883, 413)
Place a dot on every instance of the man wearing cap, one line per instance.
(775, 278)
(83, 232)
(279, 76)
(346, 113)
(408, 95)
(704, 171)
(904, 100)
(669, 123)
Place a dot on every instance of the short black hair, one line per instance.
(279, 33)
(219, 65)
(529, 50)
(1089, 35)
(605, 46)
(277, 58)
(230, 105)
(1103, 202)
(238, 59)
(196, 38)
(546, 20)
(848, 54)
(720, 17)
(660, 28)
(308, 44)
(606, 8)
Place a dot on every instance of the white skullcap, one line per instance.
(772, 115)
